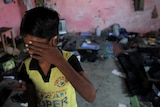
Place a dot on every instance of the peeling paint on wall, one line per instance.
(87, 14)
(11, 14)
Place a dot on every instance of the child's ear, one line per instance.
(54, 41)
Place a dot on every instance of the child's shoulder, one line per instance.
(28, 59)
(67, 54)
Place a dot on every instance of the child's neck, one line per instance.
(44, 66)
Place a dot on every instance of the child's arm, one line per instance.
(52, 55)
(31, 95)
(29, 87)
(79, 80)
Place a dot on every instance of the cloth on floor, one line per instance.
(139, 101)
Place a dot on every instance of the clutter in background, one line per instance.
(88, 42)
(12, 51)
(87, 46)
(98, 31)
(101, 43)
(106, 50)
(97, 45)
(118, 34)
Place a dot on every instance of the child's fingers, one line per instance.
(33, 48)
(38, 44)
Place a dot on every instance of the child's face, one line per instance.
(28, 38)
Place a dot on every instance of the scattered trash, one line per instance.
(98, 31)
(118, 73)
(24, 104)
(107, 49)
(122, 105)
(89, 46)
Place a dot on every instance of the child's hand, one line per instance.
(44, 52)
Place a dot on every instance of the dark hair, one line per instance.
(40, 22)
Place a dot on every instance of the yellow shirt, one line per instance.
(58, 92)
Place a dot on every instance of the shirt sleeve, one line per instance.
(23, 74)
(73, 61)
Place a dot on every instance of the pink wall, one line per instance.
(85, 15)
(10, 15)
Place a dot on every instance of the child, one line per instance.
(51, 75)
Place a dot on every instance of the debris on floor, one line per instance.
(122, 105)
(118, 73)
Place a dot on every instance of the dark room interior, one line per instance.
(117, 43)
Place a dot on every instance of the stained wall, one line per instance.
(85, 15)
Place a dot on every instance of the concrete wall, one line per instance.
(85, 15)
(11, 14)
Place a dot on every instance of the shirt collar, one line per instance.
(34, 65)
